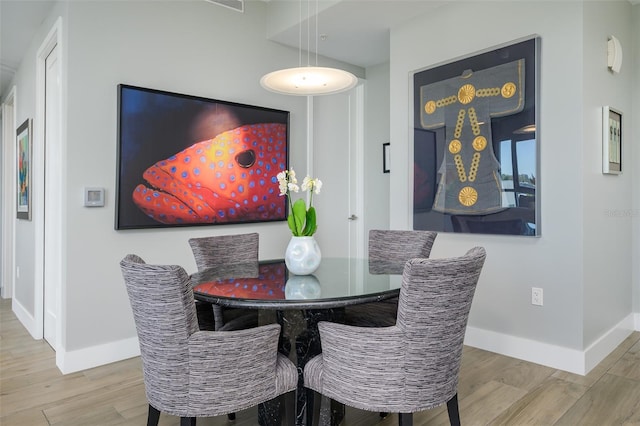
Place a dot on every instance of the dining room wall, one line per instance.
(608, 199)
(376, 132)
(563, 259)
(184, 47)
(194, 48)
(24, 292)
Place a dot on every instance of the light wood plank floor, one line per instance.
(493, 390)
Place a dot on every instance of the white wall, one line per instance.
(514, 264)
(586, 280)
(193, 48)
(376, 183)
(24, 81)
(187, 48)
(607, 199)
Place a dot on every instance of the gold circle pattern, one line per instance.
(473, 170)
(489, 91)
(462, 175)
(459, 123)
(466, 93)
(446, 101)
(430, 107)
(508, 90)
(455, 146)
(479, 143)
(473, 119)
(468, 196)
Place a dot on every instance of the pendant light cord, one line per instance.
(308, 30)
(300, 35)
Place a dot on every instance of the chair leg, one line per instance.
(154, 416)
(231, 416)
(187, 421)
(405, 419)
(454, 413)
(383, 414)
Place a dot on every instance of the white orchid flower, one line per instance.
(293, 187)
(288, 183)
(317, 184)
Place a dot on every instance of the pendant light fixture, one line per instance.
(308, 80)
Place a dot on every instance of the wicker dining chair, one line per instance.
(218, 251)
(191, 373)
(389, 246)
(413, 365)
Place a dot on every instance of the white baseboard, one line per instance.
(25, 318)
(95, 356)
(562, 358)
(603, 346)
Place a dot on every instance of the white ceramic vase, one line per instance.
(303, 255)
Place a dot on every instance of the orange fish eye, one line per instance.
(246, 158)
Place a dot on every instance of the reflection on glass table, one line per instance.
(337, 282)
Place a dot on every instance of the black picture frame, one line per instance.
(186, 160)
(386, 157)
(476, 150)
(24, 167)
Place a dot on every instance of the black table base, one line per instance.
(300, 341)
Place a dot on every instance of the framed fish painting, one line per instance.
(186, 161)
(475, 143)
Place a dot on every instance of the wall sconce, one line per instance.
(614, 54)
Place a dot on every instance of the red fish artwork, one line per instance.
(229, 178)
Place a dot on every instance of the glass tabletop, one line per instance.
(268, 284)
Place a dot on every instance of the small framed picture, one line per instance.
(611, 141)
(24, 135)
(386, 157)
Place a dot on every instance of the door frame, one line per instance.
(356, 240)
(8, 193)
(53, 188)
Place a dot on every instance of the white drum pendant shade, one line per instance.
(307, 81)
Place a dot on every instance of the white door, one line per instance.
(52, 164)
(338, 162)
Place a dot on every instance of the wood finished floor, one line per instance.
(493, 390)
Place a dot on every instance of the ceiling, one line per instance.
(357, 30)
(19, 20)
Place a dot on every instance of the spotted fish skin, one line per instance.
(229, 178)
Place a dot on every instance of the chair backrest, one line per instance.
(433, 309)
(400, 245)
(222, 249)
(165, 316)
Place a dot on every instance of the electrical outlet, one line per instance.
(536, 296)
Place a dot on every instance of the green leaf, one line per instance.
(292, 224)
(299, 216)
(310, 225)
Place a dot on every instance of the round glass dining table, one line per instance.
(300, 302)
(267, 284)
